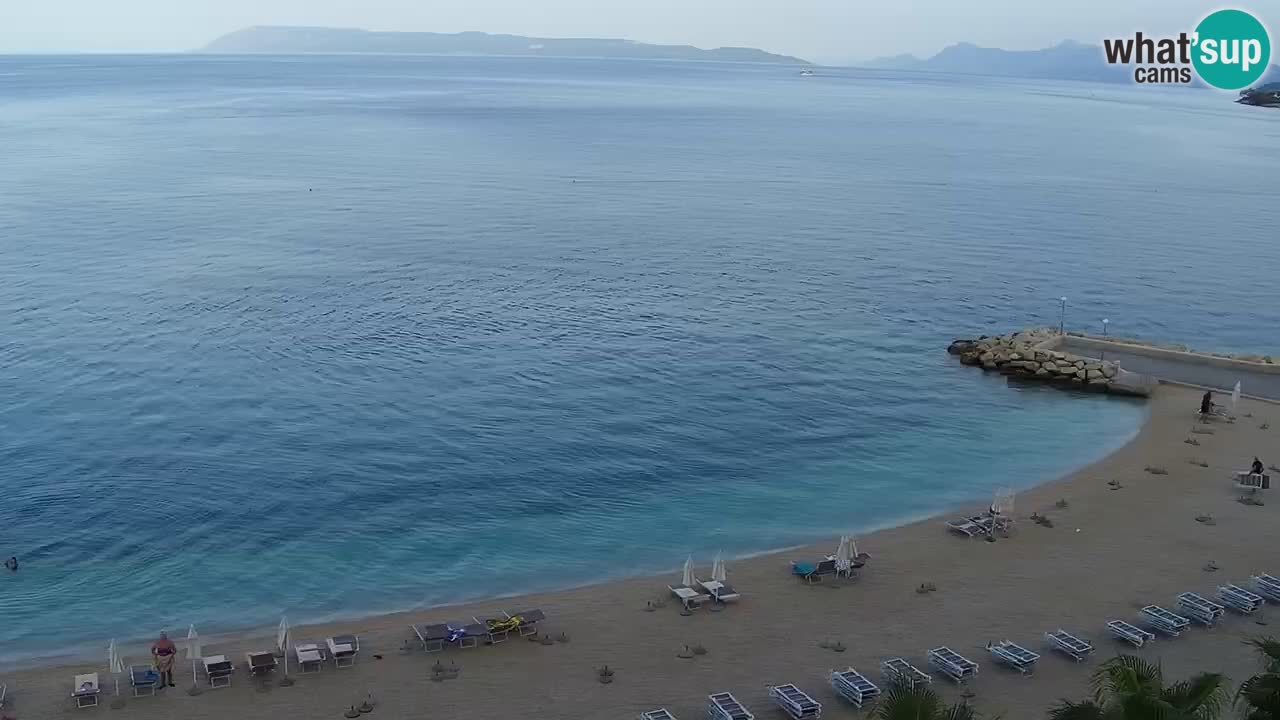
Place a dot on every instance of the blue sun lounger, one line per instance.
(1239, 599)
(811, 573)
(795, 702)
(1167, 622)
(898, 670)
(1267, 586)
(952, 664)
(854, 687)
(1199, 609)
(1069, 645)
(143, 679)
(1014, 655)
(1131, 634)
(724, 706)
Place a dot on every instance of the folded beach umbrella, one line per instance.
(717, 569)
(687, 579)
(1235, 397)
(282, 641)
(115, 663)
(843, 562)
(193, 652)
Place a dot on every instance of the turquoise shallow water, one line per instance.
(334, 336)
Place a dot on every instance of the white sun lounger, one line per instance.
(795, 702)
(854, 687)
(1131, 634)
(724, 706)
(659, 714)
(1068, 644)
(720, 592)
(967, 527)
(1014, 655)
(343, 649)
(900, 671)
(85, 690)
(1205, 612)
(688, 597)
(1267, 586)
(310, 658)
(1239, 599)
(219, 670)
(1166, 621)
(4, 689)
(952, 664)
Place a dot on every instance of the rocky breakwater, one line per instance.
(1030, 355)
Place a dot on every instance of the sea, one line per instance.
(333, 336)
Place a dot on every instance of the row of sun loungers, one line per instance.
(435, 637)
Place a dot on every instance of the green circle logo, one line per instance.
(1232, 49)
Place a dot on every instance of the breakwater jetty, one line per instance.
(1033, 355)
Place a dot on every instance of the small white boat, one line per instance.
(807, 73)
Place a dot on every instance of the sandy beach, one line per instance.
(1110, 552)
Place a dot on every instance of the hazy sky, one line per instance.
(820, 30)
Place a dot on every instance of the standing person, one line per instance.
(165, 652)
(1257, 468)
(1206, 404)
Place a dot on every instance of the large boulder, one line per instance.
(960, 347)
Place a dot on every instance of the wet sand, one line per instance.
(1110, 552)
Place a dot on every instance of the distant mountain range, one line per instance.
(1067, 60)
(274, 39)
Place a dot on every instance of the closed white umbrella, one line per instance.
(193, 652)
(282, 641)
(842, 556)
(687, 579)
(717, 569)
(115, 663)
(1235, 397)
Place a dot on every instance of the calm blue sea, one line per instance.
(341, 335)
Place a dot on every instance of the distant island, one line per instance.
(1068, 60)
(276, 39)
(1263, 96)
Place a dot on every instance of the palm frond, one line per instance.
(1269, 648)
(1201, 696)
(959, 711)
(1261, 693)
(905, 702)
(1126, 676)
(1067, 710)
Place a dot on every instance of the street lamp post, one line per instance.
(1105, 323)
(1062, 316)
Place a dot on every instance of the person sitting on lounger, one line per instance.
(1206, 404)
(164, 652)
(1256, 468)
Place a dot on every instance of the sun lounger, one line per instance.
(1167, 622)
(813, 573)
(85, 690)
(527, 620)
(219, 670)
(310, 657)
(1205, 612)
(719, 592)
(497, 629)
(260, 663)
(1131, 634)
(795, 702)
(659, 714)
(144, 679)
(1246, 480)
(343, 649)
(688, 597)
(432, 636)
(1267, 586)
(854, 687)
(724, 706)
(1239, 599)
(1069, 645)
(966, 526)
(1014, 655)
(952, 664)
(898, 670)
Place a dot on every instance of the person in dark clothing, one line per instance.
(1206, 404)
(12, 564)
(1256, 468)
